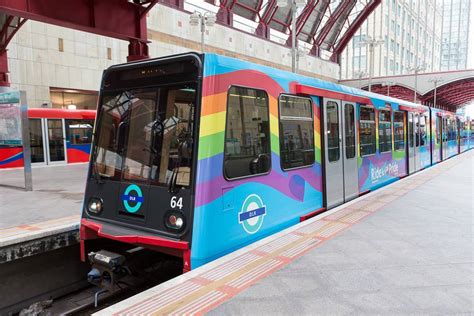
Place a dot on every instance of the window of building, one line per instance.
(399, 131)
(367, 131)
(247, 134)
(296, 132)
(385, 131)
(60, 44)
(64, 98)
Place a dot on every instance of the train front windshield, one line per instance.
(146, 135)
(141, 171)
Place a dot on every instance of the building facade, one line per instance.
(409, 37)
(455, 44)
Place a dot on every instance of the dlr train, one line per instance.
(197, 155)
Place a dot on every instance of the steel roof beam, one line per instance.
(334, 24)
(87, 15)
(355, 25)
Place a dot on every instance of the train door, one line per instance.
(417, 128)
(55, 132)
(340, 152)
(37, 143)
(439, 138)
(349, 132)
(444, 142)
(411, 143)
(458, 138)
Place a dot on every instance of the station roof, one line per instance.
(325, 24)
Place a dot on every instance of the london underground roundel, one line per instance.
(252, 214)
(132, 198)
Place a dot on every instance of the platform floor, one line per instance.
(54, 206)
(58, 192)
(406, 248)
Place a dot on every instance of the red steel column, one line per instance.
(4, 77)
(137, 50)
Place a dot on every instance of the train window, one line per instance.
(385, 131)
(438, 130)
(423, 130)
(332, 127)
(349, 122)
(417, 130)
(296, 132)
(146, 135)
(399, 131)
(367, 131)
(465, 129)
(36, 140)
(79, 131)
(247, 134)
(410, 130)
(142, 115)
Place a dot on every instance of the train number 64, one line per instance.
(175, 202)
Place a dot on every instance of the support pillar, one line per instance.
(225, 17)
(4, 77)
(263, 30)
(315, 51)
(137, 50)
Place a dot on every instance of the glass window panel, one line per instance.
(385, 131)
(146, 135)
(332, 128)
(55, 140)
(438, 130)
(296, 132)
(367, 131)
(417, 130)
(247, 135)
(295, 107)
(36, 141)
(349, 127)
(423, 130)
(79, 131)
(399, 131)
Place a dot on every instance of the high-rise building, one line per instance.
(455, 44)
(409, 37)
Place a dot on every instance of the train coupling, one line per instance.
(107, 269)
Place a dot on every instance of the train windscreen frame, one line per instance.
(144, 153)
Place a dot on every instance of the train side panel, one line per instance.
(11, 157)
(381, 168)
(222, 221)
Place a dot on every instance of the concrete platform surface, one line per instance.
(58, 192)
(404, 249)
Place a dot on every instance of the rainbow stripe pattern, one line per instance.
(285, 195)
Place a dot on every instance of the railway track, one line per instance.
(79, 298)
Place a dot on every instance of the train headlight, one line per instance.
(95, 205)
(174, 220)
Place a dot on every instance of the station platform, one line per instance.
(47, 217)
(405, 248)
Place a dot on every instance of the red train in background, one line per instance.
(56, 136)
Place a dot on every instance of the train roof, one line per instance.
(286, 79)
(61, 113)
